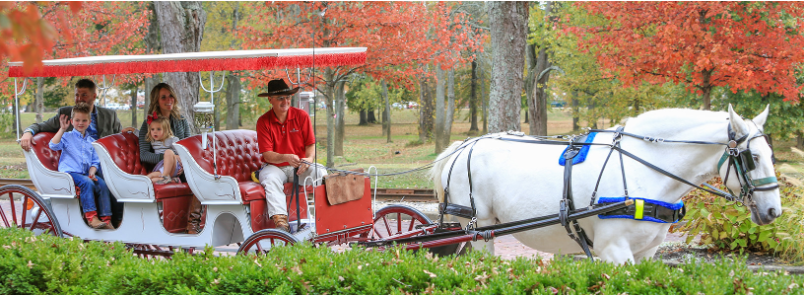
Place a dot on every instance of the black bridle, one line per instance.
(743, 162)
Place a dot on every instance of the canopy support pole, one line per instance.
(105, 87)
(211, 92)
(17, 93)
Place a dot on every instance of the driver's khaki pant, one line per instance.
(273, 179)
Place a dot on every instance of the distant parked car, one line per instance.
(558, 103)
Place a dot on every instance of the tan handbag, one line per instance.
(343, 187)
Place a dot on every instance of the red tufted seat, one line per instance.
(124, 148)
(41, 148)
(124, 151)
(238, 156)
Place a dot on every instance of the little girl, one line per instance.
(162, 140)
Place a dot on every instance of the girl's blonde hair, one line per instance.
(155, 100)
(165, 123)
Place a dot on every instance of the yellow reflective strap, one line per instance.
(640, 206)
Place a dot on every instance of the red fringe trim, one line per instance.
(194, 65)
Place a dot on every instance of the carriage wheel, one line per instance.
(396, 219)
(262, 241)
(21, 207)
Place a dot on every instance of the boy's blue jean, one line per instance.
(92, 191)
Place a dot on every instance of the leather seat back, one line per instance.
(124, 148)
(40, 147)
(238, 154)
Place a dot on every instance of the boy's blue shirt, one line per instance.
(77, 153)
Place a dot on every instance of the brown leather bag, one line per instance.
(343, 187)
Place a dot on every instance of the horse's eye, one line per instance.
(756, 158)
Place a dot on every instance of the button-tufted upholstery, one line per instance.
(124, 149)
(238, 156)
(48, 157)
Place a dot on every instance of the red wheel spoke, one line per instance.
(36, 220)
(379, 235)
(3, 214)
(272, 243)
(385, 221)
(398, 222)
(259, 248)
(412, 221)
(24, 204)
(13, 209)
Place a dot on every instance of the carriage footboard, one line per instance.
(489, 232)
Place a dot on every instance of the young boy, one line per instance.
(78, 158)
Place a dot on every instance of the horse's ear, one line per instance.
(737, 123)
(762, 118)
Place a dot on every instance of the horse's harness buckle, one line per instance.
(472, 224)
(653, 139)
(563, 211)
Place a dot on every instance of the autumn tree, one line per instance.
(392, 32)
(747, 46)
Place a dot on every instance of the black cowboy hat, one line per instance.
(278, 87)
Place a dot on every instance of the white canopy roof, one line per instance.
(195, 61)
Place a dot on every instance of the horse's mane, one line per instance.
(666, 122)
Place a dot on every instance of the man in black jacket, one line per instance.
(104, 121)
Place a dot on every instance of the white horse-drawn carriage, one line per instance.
(516, 186)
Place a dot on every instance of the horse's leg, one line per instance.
(651, 249)
(612, 246)
(645, 254)
(481, 245)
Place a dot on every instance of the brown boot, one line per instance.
(96, 223)
(281, 222)
(194, 217)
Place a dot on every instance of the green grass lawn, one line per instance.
(366, 146)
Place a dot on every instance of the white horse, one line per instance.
(515, 181)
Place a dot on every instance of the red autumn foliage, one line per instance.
(743, 45)
(400, 36)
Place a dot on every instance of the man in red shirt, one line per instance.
(285, 138)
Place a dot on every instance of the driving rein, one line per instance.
(741, 160)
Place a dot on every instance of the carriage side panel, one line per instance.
(334, 218)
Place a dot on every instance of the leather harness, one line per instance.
(736, 157)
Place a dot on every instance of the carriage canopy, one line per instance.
(235, 60)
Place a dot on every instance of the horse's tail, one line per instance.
(435, 172)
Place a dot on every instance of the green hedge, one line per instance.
(46, 264)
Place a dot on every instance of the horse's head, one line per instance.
(747, 167)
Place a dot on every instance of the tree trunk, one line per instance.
(134, 105)
(707, 90)
(387, 116)
(484, 101)
(181, 25)
(340, 108)
(40, 98)
(363, 121)
(422, 96)
(152, 45)
(799, 139)
(370, 117)
(508, 22)
(428, 109)
(575, 111)
(440, 110)
(329, 95)
(450, 108)
(538, 111)
(473, 100)
(233, 88)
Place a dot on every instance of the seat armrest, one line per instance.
(124, 186)
(209, 190)
(51, 184)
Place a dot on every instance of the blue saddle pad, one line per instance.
(581, 155)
